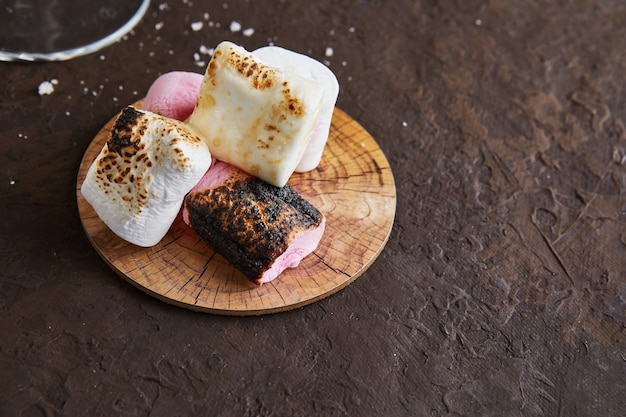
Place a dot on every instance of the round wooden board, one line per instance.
(353, 186)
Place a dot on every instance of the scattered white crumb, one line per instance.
(248, 32)
(54, 81)
(331, 32)
(46, 88)
(351, 29)
(235, 26)
(163, 6)
(196, 26)
(405, 124)
(206, 51)
(11, 181)
(206, 16)
(329, 51)
(102, 57)
(159, 26)
(344, 63)
(478, 22)
(67, 113)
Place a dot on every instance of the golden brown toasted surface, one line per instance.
(124, 168)
(255, 116)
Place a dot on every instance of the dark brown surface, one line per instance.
(501, 291)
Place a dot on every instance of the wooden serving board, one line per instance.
(353, 186)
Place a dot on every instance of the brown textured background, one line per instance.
(501, 292)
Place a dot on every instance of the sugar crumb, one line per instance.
(206, 51)
(196, 26)
(235, 26)
(329, 51)
(159, 26)
(248, 32)
(46, 87)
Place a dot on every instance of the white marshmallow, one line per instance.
(254, 116)
(295, 63)
(138, 181)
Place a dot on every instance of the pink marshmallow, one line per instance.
(174, 94)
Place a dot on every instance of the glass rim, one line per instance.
(89, 48)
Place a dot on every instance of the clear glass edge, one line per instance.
(81, 50)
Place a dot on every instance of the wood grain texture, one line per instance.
(353, 186)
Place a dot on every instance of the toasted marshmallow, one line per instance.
(139, 179)
(291, 62)
(255, 116)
